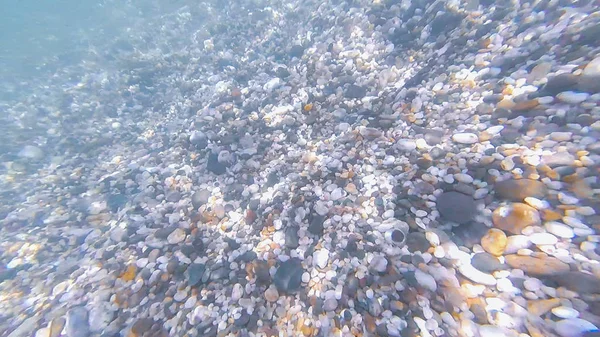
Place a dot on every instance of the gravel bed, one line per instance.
(344, 168)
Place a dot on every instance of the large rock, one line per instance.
(517, 190)
(537, 266)
(456, 207)
(580, 282)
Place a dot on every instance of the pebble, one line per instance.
(465, 138)
(514, 243)
(532, 284)
(31, 152)
(537, 203)
(494, 242)
(567, 199)
(542, 266)
(561, 136)
(573, 327)
(572, 97)
(565, 312)
(559, 229)
(321, 258)
(194, 273)
(237, 292)
(271, 294)
(463, 178)
(515, 217)
(519, 189)
(77, 322)
(425, 280)
(321, 208)
(200, 198)
(330, 304)
(582, 283)
(456, 207)
(543, 239)
(288, 276)
(378, 264)
(406, 144)
(468, 271)
(486, 263)
(177, 236)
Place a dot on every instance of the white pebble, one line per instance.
(463, 178)
(237, 292)
(532, 284)
(321, 209)
(567, 199)
(559, 229)
(494, 130)
(561, 136)
(543, 239)
(565, 312)
(321, 257)
(465, 138)
(516, 243)
(572, 97)
(573, 327)
(425, 280)
(468, 271)
(537, 203)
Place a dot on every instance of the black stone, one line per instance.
(315, 226)
(198, 140)
(355, 91)
(456, 207)
(417, 242)
(288, 276)
(296, 51)
(486, 263)
(213, 165)
(291, 237)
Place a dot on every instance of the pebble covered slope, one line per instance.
(344, 168)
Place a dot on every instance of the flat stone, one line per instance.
(518, 190)
(378, 264)
(545, 266)
(177, 236)
(417, 242)
(573, 327)
(200, 198)
(580, 282)
(467, 270)
(516, 242)
(77, 322)
(515, 217)
(456, 207)
(486, 263)
(572, 97)
(543, 239)
(465, 138)
(559, 83)
(194, 273)
(355, 91)
(425, 280)
(540, 307)
(288, 276)
(494, 242)
(291, 237)
(565, 312)
(558, 159)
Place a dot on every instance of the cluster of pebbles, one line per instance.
(353, 168)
